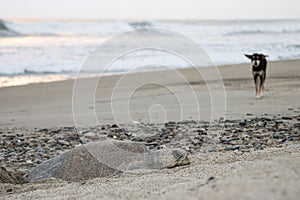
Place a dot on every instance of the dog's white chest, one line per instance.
(259, 73)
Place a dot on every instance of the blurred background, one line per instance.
(49, 40)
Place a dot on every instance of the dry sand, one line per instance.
(50, 104)
(272, 173)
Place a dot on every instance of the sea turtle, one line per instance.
(106, 158)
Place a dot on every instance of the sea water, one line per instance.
(48, 50)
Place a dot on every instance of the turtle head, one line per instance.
(179, 158)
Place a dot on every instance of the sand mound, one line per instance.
(10, 176)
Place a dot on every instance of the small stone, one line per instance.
(242, 123)
(278, 136)
(53, 149)
(170, 124)
(51, 141)
(225, 141)
(63, 142)
(29, 161)
(270, 142)
(211, 178)
(256, 135)
(9, 190)
(123, 137)
(286, 118)
(128, 134)
(90, 134)
(210, 149)
(232, 148)
(137, 139)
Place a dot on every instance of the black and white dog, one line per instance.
(259, 69)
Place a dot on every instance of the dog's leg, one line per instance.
(258, 92)
(257, 86)
(261, 85)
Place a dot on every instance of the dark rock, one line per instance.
(211, 178)
(9, 190)
(242, 123)
(286, 118)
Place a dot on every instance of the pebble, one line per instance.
(114, 126)
(286, 118)
(211, 178)
(233, 148)
(9, 190)
(24, 149)
(90, 134)
(278, 136)
(63, 142)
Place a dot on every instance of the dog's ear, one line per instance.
(248, 56)
(264, 56)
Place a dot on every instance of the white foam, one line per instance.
(69, 28)
(62, 46)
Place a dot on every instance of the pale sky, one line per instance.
(150, 9)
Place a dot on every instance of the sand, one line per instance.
(50, 104)
(272, 173)
(267, 174)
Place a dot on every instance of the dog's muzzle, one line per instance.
(255, 63)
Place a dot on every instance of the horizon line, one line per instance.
(146, 19)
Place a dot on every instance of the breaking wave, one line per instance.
(197, 28)
(224, 41)
(5, 31)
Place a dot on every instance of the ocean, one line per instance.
(48, 50)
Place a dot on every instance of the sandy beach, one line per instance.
(267, 169)
(50, 104)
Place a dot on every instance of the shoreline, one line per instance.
(61, 77)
